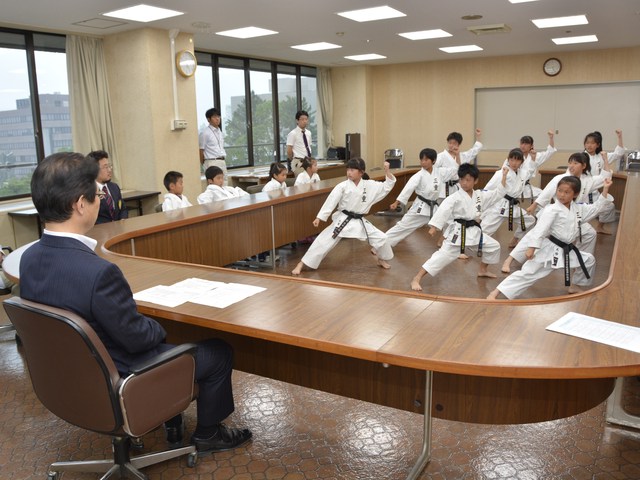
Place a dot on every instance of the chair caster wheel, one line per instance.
(192, 459)
(53, 476)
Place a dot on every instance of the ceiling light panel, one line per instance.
(314, 47)
(561, 21)
(461, 49)
(247, 32)
(371, 14)
(143, 13)
(368, 56)
(425, 34)
(570, 40)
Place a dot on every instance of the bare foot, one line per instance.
(415, 285)
(493, 295)
(373, 251)
(574, 289)
(514, 241)
(298, 269)
(600, 229)
(486, 274)
(383, 264)
(506, 266)
(463, 256)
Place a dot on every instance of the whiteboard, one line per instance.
(506, 114)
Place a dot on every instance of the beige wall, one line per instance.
(413, 106)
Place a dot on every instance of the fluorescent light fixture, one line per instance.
(522, 1)
(370, 14)
(561, 21)
(368, 56)
(247, 32)
(570, 40)
(143, 13)
(314, 47)
(461, 48)
(425, 34)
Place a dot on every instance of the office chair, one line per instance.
(290, 181)
(254, 188)
(158, 208)
(75, 378)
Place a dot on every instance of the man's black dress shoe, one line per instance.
(226, 439)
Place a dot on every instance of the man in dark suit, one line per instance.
(62, 270)
(112, 206)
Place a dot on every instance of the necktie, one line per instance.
(306, 143)
(109, 200)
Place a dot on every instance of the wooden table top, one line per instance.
(444, 334)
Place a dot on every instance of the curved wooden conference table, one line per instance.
(485, 361)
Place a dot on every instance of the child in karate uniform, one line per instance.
(550, 244)
(310, 173)
(533, 161)
(353, 199)
(461, 212)
(278, 174)
(173, 182)
(216, 189)
(426, 184)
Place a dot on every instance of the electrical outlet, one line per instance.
(179, 124)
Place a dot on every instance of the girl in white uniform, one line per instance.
(550, 243)
(579, 167)
(216, 189)
(426, 184)
(278, 174)
(533, 161)
(451, 157)
(461, 212)
(310, 173)
(508, 207)
(353, 199)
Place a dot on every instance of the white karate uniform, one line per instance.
(597, 162)
(273, 184)
(214, 192)
(357, 199)
(173, 202)
(445, 160)
(427, 185)
(303, 178)
(493, 217)
(461, 205)
(530, 191)
(564, 224)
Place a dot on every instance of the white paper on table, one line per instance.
(598, 330)
(162, 295)
(226, 295)
(196, 285)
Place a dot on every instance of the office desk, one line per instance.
(137, 196)
(454, 358)
(242, 177)
(28, 213)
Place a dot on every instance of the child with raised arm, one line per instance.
(353, 199)
(173, 182)
(278, 175)
(452, 157)
(509, 206)
(309, 173)
(426, 184)
(533, 160)
(550, 244)
(216, 189)
(461, 211)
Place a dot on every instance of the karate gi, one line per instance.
(445, 160)
(463, 206)
(356, 199)
(273, 184)
(303, 178)
(530, 192)
(564, 224)
(214, 192)
(174, 202)
(426, 185)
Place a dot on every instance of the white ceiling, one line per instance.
(615, 22)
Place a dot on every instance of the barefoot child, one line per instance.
(353, 199)
(550, 244)
(461, 212)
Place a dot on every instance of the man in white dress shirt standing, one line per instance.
(211, 140)
(299, 143)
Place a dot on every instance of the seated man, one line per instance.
(63, 271)
(112, 206)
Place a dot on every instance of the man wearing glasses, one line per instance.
(112, 206)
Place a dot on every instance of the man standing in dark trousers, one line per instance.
(62, 270)
(112, 206)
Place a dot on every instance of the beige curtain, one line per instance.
(325, 97)
(91, 121)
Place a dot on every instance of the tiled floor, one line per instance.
(304, 434)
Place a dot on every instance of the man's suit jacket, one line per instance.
(120, 209)
(63, 272)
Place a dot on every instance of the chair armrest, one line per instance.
(164, 357)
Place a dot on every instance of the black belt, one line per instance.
(463, 233)
(448, 184)
(431, 203)
(566, 249)
(513, 201)
(350, 215)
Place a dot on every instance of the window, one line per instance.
(258, 101)
(33, 66)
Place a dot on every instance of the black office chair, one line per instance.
(75, 378)
(254, 188)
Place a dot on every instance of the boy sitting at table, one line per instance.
(175, 199)
(216, 189)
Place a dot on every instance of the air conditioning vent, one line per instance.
(488, 29)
